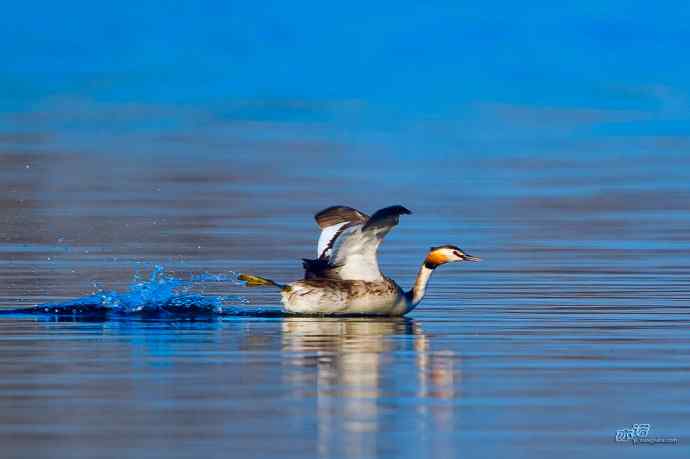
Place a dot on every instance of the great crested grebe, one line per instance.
(345, 277)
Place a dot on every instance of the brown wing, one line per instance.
(332, 221)
(348, 245)
(339, 214)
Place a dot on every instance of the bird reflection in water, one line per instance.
(360, 371)
(439, 378)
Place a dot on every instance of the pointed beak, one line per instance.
(468, 257)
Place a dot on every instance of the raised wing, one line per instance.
(349, 243)
(332, 222)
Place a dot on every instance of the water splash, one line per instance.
(161, 293)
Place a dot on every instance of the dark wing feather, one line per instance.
(385, 218)
(339, 214)
(319, 269)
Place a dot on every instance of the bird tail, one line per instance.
(256, 281)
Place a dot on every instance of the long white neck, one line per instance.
(416, 295)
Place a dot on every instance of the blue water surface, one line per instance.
(550, 139)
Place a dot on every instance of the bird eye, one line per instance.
(457, 254)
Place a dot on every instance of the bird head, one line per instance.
(443, 254)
